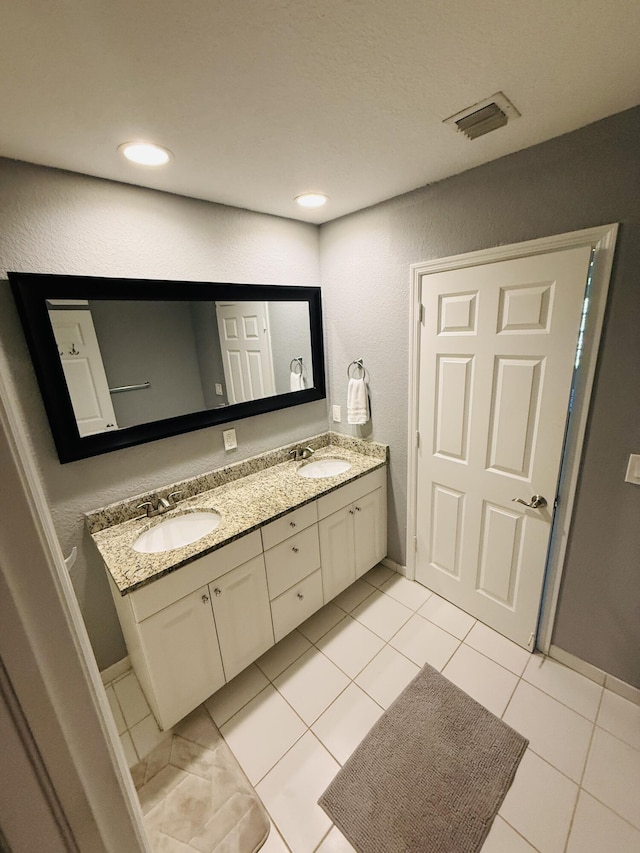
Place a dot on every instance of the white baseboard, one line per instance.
(115, 670)
(593, 673)
(395, 567)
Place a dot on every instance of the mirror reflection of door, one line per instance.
(245, 341)
(83, 370)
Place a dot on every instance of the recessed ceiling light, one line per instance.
(145, 153)
(312, 199)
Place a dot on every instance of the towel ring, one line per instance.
(293, 363)
(357, 363)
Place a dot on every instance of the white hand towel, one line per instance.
(296, 381)
(357, 402)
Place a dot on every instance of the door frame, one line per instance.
(602, 240)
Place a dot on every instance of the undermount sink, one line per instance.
(177, 532)
(324, 468)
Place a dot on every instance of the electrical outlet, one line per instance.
(337, 415)
(633, 469)
(229, 438)
(219, 390)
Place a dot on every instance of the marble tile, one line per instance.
(353, 595)
(620, 717)
(131, 699)
(382, 614)
(350, 646)
(555, 732)
(386, 676)
(118, 719)
(283, 654)
(335, 842)
(501, 650)
(485, 681)
(311, 684)
(503, 838)
(564, 684)
(290, 793)
(146, 736)
(236, 694)
(346, 722)
(321, 622)
(447, 616)
(413, 595)
(261, 732)
(613, 775)
(540, 804)
(378, 575)
(199, 728)
(596, 829)
(423, 642)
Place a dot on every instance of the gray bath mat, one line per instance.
(429, 777)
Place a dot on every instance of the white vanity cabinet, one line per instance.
(178, 657)
(197, 627)
(353, 531)
(242, 615)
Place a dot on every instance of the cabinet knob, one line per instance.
(205, 598)
(295, 550)
(300, 596)
(292, 524)
(351, 512)
(358, 509)
(217, 591)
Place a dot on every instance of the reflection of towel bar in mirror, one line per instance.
(298, 361)
(122, 388)
(357, 363)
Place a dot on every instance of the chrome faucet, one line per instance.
(163, 505)
(301, 453)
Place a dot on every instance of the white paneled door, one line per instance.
(497, 354)
(245, 342)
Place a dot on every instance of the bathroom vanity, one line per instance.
(193, 617)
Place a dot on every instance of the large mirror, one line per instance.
(123, 361)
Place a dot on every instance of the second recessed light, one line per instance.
(312, 199)
(145, 153)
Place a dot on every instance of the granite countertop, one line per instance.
(244, 504)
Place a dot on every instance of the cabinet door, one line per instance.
(243, 615)
(370, 533)
(337, 552)
(183, 657)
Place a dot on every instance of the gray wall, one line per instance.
(207, 336)
(290, 338)
(58, 222)
(149, 342)
(586, 178)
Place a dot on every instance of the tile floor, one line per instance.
(296, 715)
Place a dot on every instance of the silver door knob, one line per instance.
(537, 502)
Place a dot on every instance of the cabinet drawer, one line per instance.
(164, 591)
(292, 560)
(345, 495)
(296, 604)
(292, 522)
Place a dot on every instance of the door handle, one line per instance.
(537, 502)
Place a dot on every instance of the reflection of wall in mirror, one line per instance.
(205, 330)
(290, 339)
(149, 342)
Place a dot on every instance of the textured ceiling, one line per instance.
(263, 99)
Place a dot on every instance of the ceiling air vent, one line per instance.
(485, 116)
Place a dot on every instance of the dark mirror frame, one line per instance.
(31, 291)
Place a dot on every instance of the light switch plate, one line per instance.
(229, 438)
(218, 389)
(337, 415)
(633, 469)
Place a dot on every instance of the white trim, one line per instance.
(593, 673)
(46, 650)
(602, 239)
(395, 567)
(116, 670)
